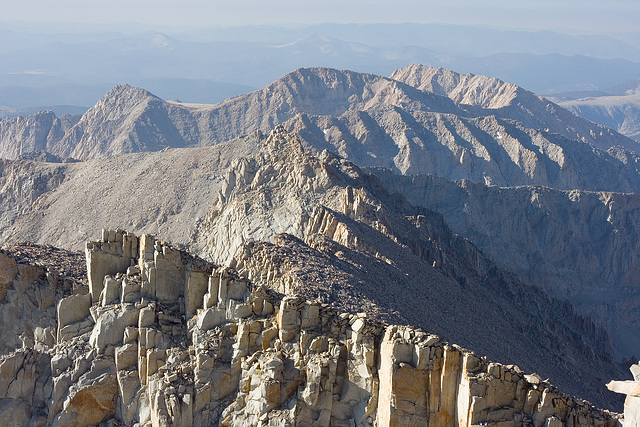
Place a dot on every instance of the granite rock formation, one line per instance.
(215, 199)
(632, 402)
(179, 194)
(165, 338)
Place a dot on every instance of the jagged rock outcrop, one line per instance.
(632, 402)
(174, 340)
(28, 294)
(346, 219)
(352, 232)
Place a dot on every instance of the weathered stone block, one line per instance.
(126, 356)
(111, 291)
(110, 326)
(197, 286)
(101, 263)
(210, 318)
(170, 275)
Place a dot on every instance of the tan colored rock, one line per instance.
(234, 363)
(72, 309)
(630, 388)
(111, 324)
(111, 291)
(91, 404)
(104, 259)
(170, 274)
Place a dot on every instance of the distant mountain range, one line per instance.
(47, 65)
(438, 122)
(574, 238)
(617, 107)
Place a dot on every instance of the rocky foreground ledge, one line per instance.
(160, 337)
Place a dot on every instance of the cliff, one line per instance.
(160, 337)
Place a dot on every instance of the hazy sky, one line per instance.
(593, 16)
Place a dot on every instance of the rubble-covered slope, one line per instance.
(577, 245)
(166, 193)
(161, 338)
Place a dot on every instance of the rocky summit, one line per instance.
(160, 337)
(336, 248)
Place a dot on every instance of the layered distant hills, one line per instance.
(618, 107)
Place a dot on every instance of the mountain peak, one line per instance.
(470, 89)
(127, 91)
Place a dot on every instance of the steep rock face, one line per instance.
(173, 340)
(22, 183)
(577, 245)
(39, 132)
(507, 100)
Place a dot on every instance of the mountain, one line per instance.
(305, 227)
(556, 224)
(39, 132)
(422, 121)
(517, 139)
(619, 112)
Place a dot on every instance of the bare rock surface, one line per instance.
(258, 187)
(39, 132)
(631, 389)
(508, 100)
(268, 358)
(422, 120)
(619, 111)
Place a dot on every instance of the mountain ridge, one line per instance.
(415, 131)
(364, 238)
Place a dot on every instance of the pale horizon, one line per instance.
(577, 17)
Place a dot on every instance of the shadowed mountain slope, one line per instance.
(355, 246)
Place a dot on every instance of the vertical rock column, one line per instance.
(115, 252)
